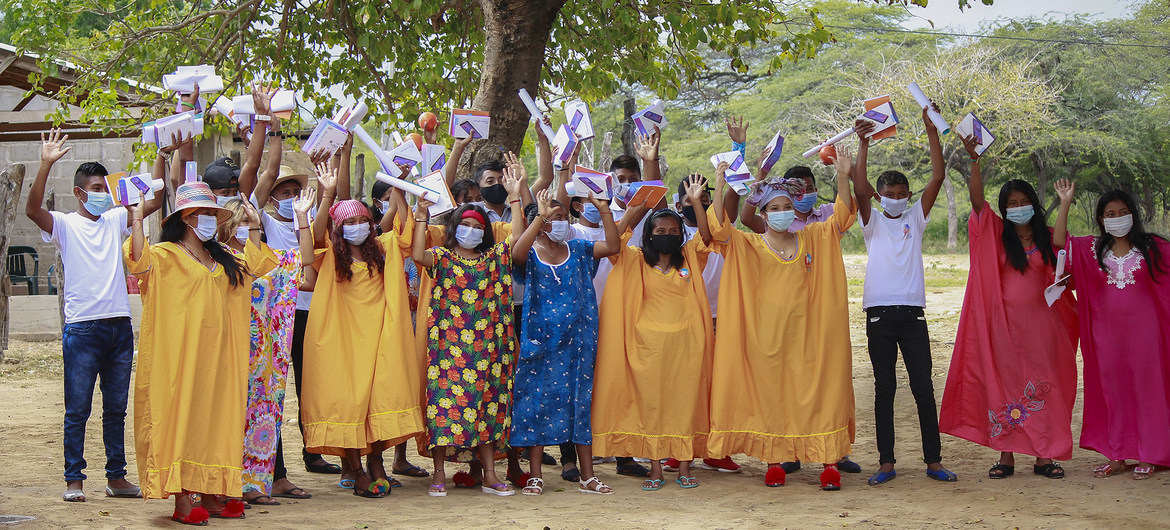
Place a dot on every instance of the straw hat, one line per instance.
(191, 195)
(288, 173)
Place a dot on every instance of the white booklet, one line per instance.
(577, 116)
(185, 78)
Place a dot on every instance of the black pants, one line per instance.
(298, 357)
(890, 328)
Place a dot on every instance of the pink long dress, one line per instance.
(1013, 376)
(1124, 316)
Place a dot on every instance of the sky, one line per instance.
(945, 13)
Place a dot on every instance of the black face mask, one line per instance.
(666, 243)
(689, 213)
(494, 194)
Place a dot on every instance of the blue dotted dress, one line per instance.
(553, 389)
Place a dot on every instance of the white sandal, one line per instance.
(585, 488)
(535, 486)
(73, 496)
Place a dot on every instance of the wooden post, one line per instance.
(359, 166)
(11, 183)
(606, 151)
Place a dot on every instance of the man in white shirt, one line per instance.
(97, 339)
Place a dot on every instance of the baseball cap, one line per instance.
(222, 173)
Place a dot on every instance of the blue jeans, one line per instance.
(97, 348)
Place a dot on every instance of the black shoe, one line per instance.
(547, 459)
(790, 467)
(323, 467)
(571, 474)
(633, 469)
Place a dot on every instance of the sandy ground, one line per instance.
(31, 484)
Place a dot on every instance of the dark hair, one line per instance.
(370, 249)
(173, 230)
(648, 252)
(800, 172)
(1016, 255)
(461, 186)
(490, 165)
(87, 171)
(532, 210)
(489, 237)
(891, 178)
(1138, 237)
(378, 190)
(626, 162)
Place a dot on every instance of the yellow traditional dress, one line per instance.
(782, 385)
(191, 384)
(362, 378)
(652, 381)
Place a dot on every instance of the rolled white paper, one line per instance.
(408, 187)
(536, 114)
(1060, 257)
(924, 102)
(840, 136)
(383, 159)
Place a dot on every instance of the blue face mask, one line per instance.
(97, 202)
(780, 221)
(1021, 214)
(590, 213)
(285, 208)
(806, 202)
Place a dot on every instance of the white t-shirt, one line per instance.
(281, 235)
(91, 251)
(711, 273)
(894, 275)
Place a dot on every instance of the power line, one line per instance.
(1003, 37)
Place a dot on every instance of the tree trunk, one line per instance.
(515, 38)
(952, 217)
(11, 183)
(1041, 169)
(629, 107)
(606, 151)
(359, 166)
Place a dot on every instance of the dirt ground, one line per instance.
(31, 483)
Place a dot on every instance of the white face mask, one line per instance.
(559, 231)
(781, 220)
(895, 207)
(385, 206)
(1119, 226)
(222, 201)
(242, 233)
(468, 237)
(355, 234)
(205, 227)
(285, 208)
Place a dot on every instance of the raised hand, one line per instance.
(54, 148)
(970, 143)
(647, 146)
(327, 177)
(177, 142)
(544, 203)
(930, 128)
(1064, 190)
(601, 205)
(253, 215)
(863, 128)
(319, 157)
(305, 200)
(843, 161)
(720, 169)
(241, 131)
(422, 209)
(191, 99)
(512, 182)
(462, 143)
(695, 184)
(737, 128)
(262, 99)
(513, 161)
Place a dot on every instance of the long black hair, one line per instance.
(1145, 242)
(173, 230)
(649, 253)
(489, 237)
(1017, 257)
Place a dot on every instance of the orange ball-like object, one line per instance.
(428, 121)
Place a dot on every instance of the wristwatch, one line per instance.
(272, 134)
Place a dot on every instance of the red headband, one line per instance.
(474, 215)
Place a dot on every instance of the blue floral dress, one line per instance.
(553, 389)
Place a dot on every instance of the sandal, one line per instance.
(1142, 472)
(499, 489)
(571, 474)
(346, 483)
(381, 486)
(882, 477)
(1108, 469)
(73, 496)
(323, 467)
(1050, 470)
(412, 471)
(196, 517)
(259, 501)
(687, 482)
(830, 478)
(370, 492)
(654, 484)
(596, 488)
(232, 509)
(1003, 471)
(535, 486)
(942, 475)
(519, 481)
(776, 476)
(291, 494)
(437, 490)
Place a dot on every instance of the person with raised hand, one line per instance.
(654, 352)
(469, 336)
(1013, 375)
(553, 389)
(1123, 307)
(191, 385)
(365, 400)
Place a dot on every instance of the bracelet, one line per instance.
(257, 229)
(514, 201)
(187, 104)
(302, 228)
(607, 213)
(974, 159)
(272, 134)
(263, 117)
(421, 220)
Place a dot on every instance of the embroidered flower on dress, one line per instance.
(1122, 269)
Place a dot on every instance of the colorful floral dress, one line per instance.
(274, 302)
(469, 349)
(558, 346)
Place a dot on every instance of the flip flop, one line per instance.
(346, 483)
(437, 490)
(655, 484)
(290, 495)
(942, 475)
(463, 479)
(499, 490)
(685, 482)
(412, 471)
(257, 502)
(124, 493)
(881, 477)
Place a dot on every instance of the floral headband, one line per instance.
(764, 191)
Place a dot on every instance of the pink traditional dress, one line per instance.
(1013, 375)
(1125, 322)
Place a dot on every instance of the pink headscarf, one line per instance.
(343, 210)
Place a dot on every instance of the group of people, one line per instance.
(527, 318)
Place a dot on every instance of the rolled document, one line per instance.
(1060, 257)
(383, 158)
(409, 187)
(841, 136)
(924, 102)
(536, 114)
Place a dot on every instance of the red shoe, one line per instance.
(232, 509)
(722, 465)
(463, 479)
(775, 476)
(830, 478)
(671, 464)
(197, 517)
(520, 481)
